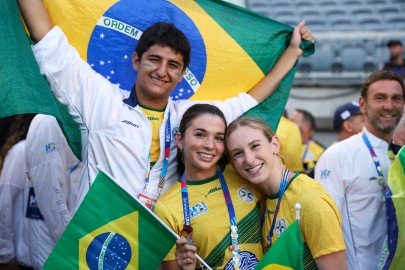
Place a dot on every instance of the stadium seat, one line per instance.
(353, 58)
(323, 58)
(342, 23)
(328, 3)
(359, 10)
(396, 21)
(287, 11)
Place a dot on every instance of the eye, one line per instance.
(174, 65)
(199, 135)
(219, 139)
(236, 154)
(255, 146)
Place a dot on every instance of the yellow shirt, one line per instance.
(289, 135)
(320, 223)
(311, 154)
(210, 219)
(156, 119)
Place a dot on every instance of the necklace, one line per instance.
(212, 188)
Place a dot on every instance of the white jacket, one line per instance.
(347, 171)
(115, 133)
(14, 186)
(54, 172)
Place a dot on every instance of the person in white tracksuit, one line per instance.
(116, 131)
(14, 191)
(54, 173)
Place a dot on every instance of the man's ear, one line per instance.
(135, 61)
(362, 104)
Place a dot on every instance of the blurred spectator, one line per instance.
(348, 120)
(14, 187)
(311, 150)
(54, 173)
(289, 135)
(397, 61)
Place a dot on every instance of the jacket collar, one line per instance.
(131, 100)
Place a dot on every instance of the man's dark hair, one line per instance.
(308, 118)
(380, 75)
(165, 35)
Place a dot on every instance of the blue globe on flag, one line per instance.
(108, 251)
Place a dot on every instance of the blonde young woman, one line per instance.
(253, 150)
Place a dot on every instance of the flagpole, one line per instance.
(155, 216)
(297, 212)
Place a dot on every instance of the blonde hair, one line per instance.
(247, 121)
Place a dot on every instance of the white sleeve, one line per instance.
(46, 160)
(11, 189)
(72, 80)
(328, 172)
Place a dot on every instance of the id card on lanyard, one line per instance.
(148, 197)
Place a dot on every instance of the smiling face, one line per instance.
(382, 107)
(160, 69)
(202, 145)
(253, 155)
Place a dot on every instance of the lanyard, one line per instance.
(380, 178)
(283, 185)
(231, 211)
(163, 172)
(306, 150)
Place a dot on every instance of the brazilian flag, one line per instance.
(232, 49)
(286, 253)
(111, 230)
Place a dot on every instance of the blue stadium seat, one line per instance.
(281, 11)
(360, 10)
(353, 58)
(290, 20)
(328, 3)
(342, 23)
(396, 21)
(323, 58)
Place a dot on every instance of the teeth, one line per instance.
(255, 168)
(205, 155)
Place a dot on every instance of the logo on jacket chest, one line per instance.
(130, 123)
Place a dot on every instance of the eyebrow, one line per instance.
(204, 130)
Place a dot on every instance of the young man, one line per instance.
(116, 131)
(355, 170)
(348, 120)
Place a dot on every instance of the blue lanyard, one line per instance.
(231, 211)
(306, 150)
(283, 185)
(163, 172)
(380, 178)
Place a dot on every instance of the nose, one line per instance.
(209, 143)
(249, 158)
(162, 70)
(389, 104)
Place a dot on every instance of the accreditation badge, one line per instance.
(147, 199)
(32, 207)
